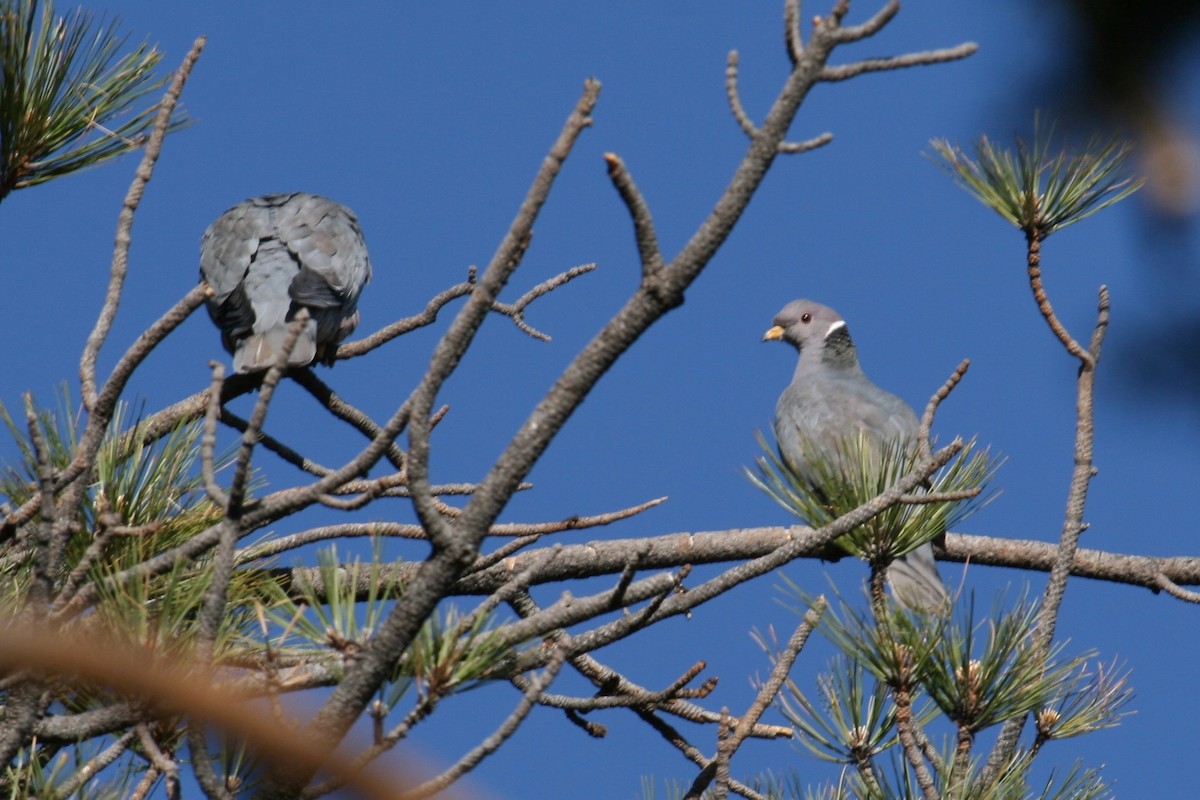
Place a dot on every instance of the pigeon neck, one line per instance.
(836, 353)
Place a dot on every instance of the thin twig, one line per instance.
(1034, 270)
(215, 597)
(72, 480)
(521, 530)
(923, 444)
(748, 127)
(682, 603)
(730, 742)
(572, 610)
(516, 310)
(124, 236)
(843, 72)
(356, 418)
(734, 96)
(854, 33)
(453, 551)
(1175, 590)
(208, 439)
(519, 585)
(1081, 478)
(149, 778)
(792, 35)
(613, 684)
(95, 765)
(504, 551)
(940, 497)
(489, 745)
(639, 212)
(429, 314)
(272, 444)
(154, 754)
(369, 491)
(213, 608)
(794, 148)
(386, 741)
(45, 557)
(79, 572)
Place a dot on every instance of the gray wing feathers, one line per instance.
(814, 410)
(916, 582)
(270, 256)
(823, 408)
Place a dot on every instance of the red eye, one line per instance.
(806, 318)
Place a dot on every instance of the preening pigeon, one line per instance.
(268, 257)
(830, 399)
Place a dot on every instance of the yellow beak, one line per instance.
(773, 334)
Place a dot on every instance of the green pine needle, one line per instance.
(850, 722)
(69, 99)
(852, 472)
(985, 672)
(1035, 189)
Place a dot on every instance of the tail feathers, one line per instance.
(916, 583)
(260, 350)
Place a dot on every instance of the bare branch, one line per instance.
(611, 682)
(516, 310)
(181, 688)
(734, 96)
(161, 423)
(1081, 478)
(573, 610)
(670, 551)
(503, 552)
(1034, 271)
(923, 444)
(359, 420)
(507, 728)
(85, 772)
(452, 553)
(396, 529)
(425, 317)
(208, 439)
(743, 119)
(133, 198)
(940, 497)
(793, 148)
(830, 25)
(843, 72)
(1175, 590)
(733, 732)
(270, 443)
(46, 554)
(104, 404)
(643, 223)
(573, 522)
(68, 728)
(783, 666)
(429, 315)
(91, 555)
(792, 35)
(154, 753)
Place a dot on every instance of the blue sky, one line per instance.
(429, 120)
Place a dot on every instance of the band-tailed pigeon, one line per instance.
(268, 257)
(830, 399)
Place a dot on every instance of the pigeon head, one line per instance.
(817, 331)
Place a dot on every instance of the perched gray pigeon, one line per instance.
(830, 399)
(270, 256)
